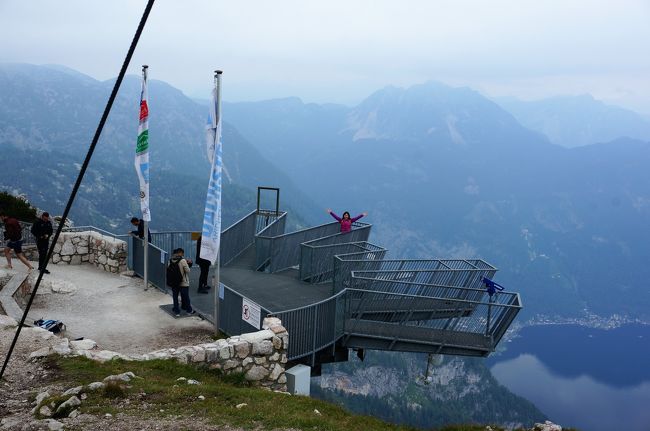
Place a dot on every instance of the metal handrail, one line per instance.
(313, 327)
(421, 270)
(500, 294)
(471, 289)
(435, 298)
(466, 325)
(318, 262)
(95, 229)
(281, 252)
(237, 237)
(304, 307)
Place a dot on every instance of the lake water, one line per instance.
(591, 379)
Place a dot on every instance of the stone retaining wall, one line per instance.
(30, 252)
(105, 252)
(261, 356)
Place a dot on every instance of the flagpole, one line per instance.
(145, 241)
(217, 286)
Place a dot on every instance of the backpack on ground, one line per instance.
(174, 276)
(54, 326)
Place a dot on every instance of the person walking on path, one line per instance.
(139, 223)
(14, 238)
(42, 231)
(184, 286)
(204, 264)
(346, 221)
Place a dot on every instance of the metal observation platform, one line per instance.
(336, 291)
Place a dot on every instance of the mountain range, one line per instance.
(442, 171)
(446, 172)
(574, 121)
(48, 115)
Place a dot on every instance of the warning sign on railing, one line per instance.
(250, 313)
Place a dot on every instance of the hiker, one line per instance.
(139, 223)
(42, 231)
(346, 221)
(182, 284)
(204, 264)
(14, 238)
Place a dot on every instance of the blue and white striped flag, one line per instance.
(211, 234)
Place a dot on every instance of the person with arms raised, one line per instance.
(345, 220)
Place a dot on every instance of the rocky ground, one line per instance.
(113, 310)
(25, 377)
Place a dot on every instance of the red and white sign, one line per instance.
(251, 313)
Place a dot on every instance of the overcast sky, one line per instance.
(341, 51)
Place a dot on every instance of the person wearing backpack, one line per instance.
(178, 278)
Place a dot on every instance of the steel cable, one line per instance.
(73, 194)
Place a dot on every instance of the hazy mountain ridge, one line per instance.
(432, 112)
(565, 226)
(391, 386)
(501, 196)
(573, 121)
(48, 117)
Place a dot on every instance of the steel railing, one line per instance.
(394, 303)
(460, 332)
(96, 229)
(242, 234)
(156, 264)
(234, 240)
(314, 327)
(278, 252)
(448, 272)
(318, 262)
(264, 241)
(28, 238)
(230, 313)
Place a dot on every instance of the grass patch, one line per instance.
(159, 394)
(114, 390)
(158, 389)
(219, 336)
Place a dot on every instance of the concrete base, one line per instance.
(298, 380)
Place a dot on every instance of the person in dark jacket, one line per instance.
(139, 223)
(184, 287)
(14, 238)
(42, 231)
(204, 264)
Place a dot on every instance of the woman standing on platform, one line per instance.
(346, 221)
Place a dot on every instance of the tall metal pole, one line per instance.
(145, 241)
(217, 286)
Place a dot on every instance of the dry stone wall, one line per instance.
(260, 356)
(105, 252)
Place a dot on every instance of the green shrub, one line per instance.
(16, 207)
(114, 390)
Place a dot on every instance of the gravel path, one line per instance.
(113, 310)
